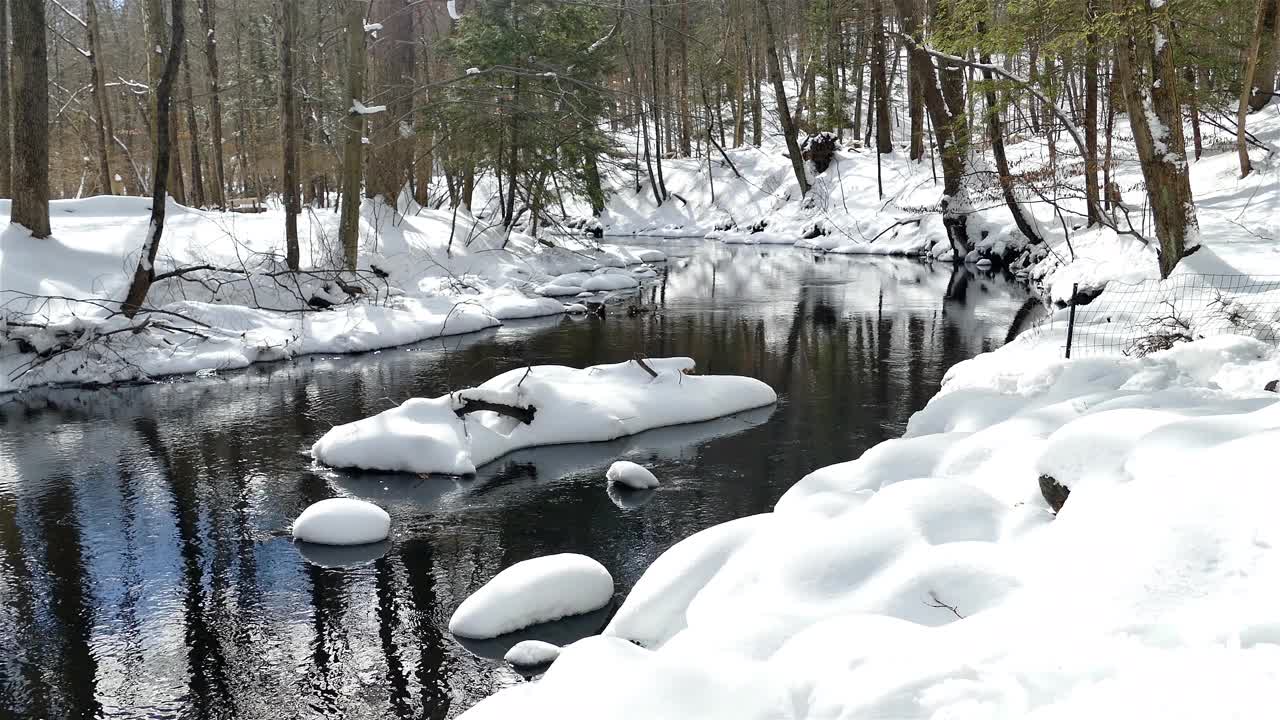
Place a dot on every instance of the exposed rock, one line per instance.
(1054, 494)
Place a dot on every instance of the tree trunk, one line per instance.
(1247, 90)
(1264, 78)
(392, 78)
(1091, 113)
(30, 77)
(757, 104)
(884, 140)
(6, 125)
(513, 169)
(353, 145)
(193, 127)
(995, 131)
(163, 95)
(424, 160)
(218, 194)
(1152, 90)
(780, 95)
(102, 131)
(955, 202)
(683, 88)
(289, 129)
(656, 106)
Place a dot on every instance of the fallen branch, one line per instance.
(941, 605)
(640, 361)
(523, 414)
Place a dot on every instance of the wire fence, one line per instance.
(1137, 319)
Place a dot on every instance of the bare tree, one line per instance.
(102, 130)
(6, 147)
(789, 130)
(289, 129)
(145, 272)
(1148, 78)
(353, 145)
(219, 189)
(30, 77)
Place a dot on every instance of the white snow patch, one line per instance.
(531, 653)
(342, 521)
(533, 591)
(625, 472)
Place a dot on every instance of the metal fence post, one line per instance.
(1071, 319)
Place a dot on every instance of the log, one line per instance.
(523, 414)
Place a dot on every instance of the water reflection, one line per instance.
(144, 563)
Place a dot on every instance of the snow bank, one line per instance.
(636, 477)
(532, 653)
(570, 405)
(531, 592)
(420, 274)
(928, 577)
(342, 521)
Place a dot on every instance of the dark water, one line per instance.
(144, 567)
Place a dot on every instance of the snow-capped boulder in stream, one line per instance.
(532, 653)
(542, 405)
(533, 591)
(342, 521)
(637, 477)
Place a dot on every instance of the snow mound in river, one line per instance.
(632, 475)
(342, 521)
(531, 653)
(533, 591)
(569, 405)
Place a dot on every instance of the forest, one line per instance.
(313, 101)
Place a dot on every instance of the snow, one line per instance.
(532, 653)
(637, 477)
(342, 521)
(928, 578)
(533, 591)
(359, 108)
(599, 403)
(428, 286)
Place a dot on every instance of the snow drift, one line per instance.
(568, 405)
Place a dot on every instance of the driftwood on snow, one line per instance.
(523, 414)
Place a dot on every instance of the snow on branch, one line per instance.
(359, 108)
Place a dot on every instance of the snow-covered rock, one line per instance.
(599, 403)
(532, 653)
(342, 521)
(637, 477)
(533, 591)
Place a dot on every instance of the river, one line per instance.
(145, 564)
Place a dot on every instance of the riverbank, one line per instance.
(931, 577)
(229, 301)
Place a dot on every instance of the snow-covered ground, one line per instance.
(930, 578)
(423, 274)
